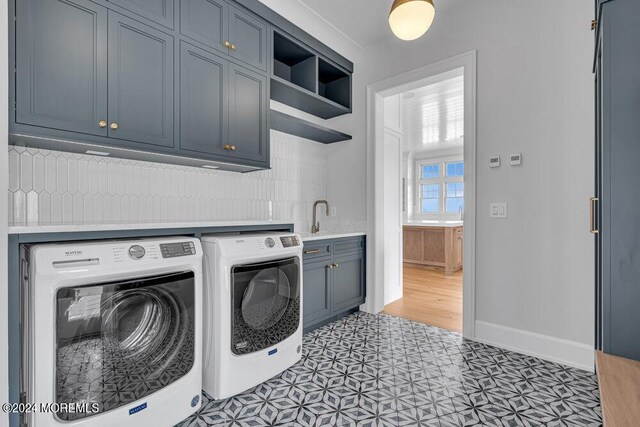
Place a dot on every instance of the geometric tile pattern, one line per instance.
(50, 187)
(380, 370)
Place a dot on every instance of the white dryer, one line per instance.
(253, 310)
(113, 332)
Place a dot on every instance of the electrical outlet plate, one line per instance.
(494, 161)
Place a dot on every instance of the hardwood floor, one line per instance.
(431, 297)
(619, 381)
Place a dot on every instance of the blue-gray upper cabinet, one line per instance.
(206, 21)
(203, 101)
(248, 38)
(61, 52)
(248, 109)
(160, 11)
(140, 82)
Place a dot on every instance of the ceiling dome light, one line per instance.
(410, 19)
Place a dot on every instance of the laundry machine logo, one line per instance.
(138, 408)
(241, 345)
(72, 253)
(195, 400)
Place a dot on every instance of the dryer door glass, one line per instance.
(119, 342)
(265, 304)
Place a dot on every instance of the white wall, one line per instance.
(535, 96)
(4, 179)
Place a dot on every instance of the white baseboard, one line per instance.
(558, 350)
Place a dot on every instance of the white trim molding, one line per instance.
(571, 353)
(376, 93)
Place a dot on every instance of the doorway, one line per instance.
(431, 194)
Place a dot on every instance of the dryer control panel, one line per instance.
(290, 241)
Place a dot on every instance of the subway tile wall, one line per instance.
(49, 187)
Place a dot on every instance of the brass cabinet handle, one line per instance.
(592, 205)
(114, 126)
(227, 147)
(233, 148)
(336, 265)
(233, 47)
(330, 266)
(102, 123)
(312, 251)
(227, 44)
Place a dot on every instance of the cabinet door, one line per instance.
(316, 293)
(203, 101)
(248, 108)
(347, 287)
(412, 242)
(160, 11)
(248, 36)
(140, 82)
(206, 21)
(61, 54)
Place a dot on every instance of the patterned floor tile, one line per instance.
(380, 370)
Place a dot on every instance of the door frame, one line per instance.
(376, 93)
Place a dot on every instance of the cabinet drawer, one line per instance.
(348, 245)
(316, 250)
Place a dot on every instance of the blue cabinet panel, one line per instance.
(248, 109)
(348, 281)
(249, 38)
(61, 51)
(140, 82)
(160, 11)
(203, 101)
(618, 156)
(334, 279)
(206, 21)
(317, 291)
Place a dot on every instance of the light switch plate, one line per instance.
(498, 210)
(494, 161)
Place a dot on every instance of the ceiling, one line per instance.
(363, 21)
(433, 116)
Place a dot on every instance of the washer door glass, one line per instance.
(265, 304)
(119, 342)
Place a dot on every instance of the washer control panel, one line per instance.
(177, 249)
(269, 242)
(289, 241)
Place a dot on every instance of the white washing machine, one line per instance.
(112, 332)
(253, 310)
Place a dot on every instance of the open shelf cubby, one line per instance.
(293, 63)
(334, 84)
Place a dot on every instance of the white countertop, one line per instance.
(75, 227)
(326, 235)
(435, 223)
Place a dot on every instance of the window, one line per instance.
(441, 187)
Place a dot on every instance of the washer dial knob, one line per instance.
(136, 252)
(270, 242)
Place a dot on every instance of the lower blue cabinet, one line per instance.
(333, 279)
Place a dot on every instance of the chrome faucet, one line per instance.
(315, 228)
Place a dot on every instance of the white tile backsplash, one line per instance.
(50, 187)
